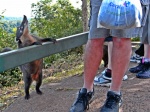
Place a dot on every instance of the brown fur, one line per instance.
(32, 70)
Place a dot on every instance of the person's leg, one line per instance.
(120, 60)
(107, 72)
(144, 72)
(119, 63)
(99, 79)
(142, 69)
(140, 50)
(138, 54)
(142, 66)
(104, 78)
(92, 59)
(93, 56)
(110, 46)
(146, 51)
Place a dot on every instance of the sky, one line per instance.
(18, 8)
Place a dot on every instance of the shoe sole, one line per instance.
(142, 77)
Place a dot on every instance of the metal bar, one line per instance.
(21, 56)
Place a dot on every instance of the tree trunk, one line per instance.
(84, 15)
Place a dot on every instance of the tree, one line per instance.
(84, 15)
(6, 37)
(56, 20)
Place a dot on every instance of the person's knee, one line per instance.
(122, 42)
(96, 42)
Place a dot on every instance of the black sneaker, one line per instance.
(83, 100)
(144, 74)
(111, 103)
(138, 68)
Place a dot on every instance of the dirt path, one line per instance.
(58, 97)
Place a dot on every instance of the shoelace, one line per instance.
(111, 100)
(85, 101)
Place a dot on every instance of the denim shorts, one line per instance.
(102, 32)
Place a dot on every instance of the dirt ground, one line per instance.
(58, 97)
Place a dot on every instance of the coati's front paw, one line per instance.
(54, 41)
(27, 97)
(39, 92)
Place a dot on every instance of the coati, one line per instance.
(32, 70)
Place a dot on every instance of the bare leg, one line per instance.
(92, 59)
(110, 46)
(120, 60)
(146, 51)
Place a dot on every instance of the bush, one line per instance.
(10, 77)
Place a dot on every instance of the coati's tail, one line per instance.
(6, 49)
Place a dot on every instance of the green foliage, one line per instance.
(48, 61)
(56, 20)
(7, 34)
(135, 39)
(10, 77)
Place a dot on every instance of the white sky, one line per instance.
(18, 8)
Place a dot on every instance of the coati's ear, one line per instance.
(21, 28)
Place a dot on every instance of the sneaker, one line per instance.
(144, 74)
(105, 80)
(135, 58)
(83, 100)
(112, 102)
(140, 67)
(107, 75)
(100, 81)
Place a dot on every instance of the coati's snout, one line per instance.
(22, 29)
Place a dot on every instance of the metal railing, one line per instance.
(21, 56)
